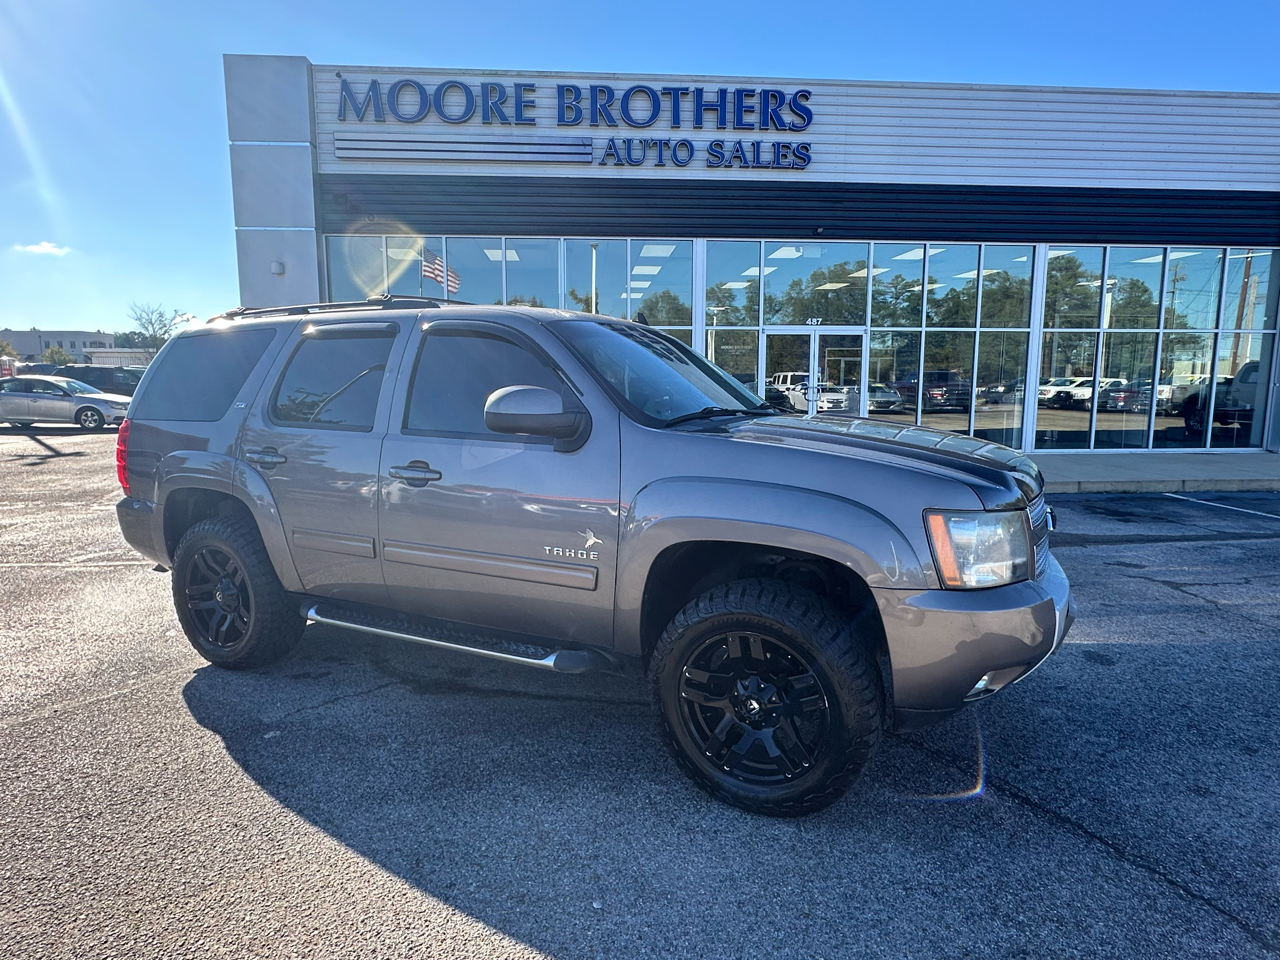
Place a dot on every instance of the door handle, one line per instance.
(416, 473)
(267, 457)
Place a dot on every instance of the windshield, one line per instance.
(655, 376)
(74, 386)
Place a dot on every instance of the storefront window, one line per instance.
(1073, 287)
(1006, 285)
(737, 353)
(1240, 396)
(599, 262)
(808, 282)
(356, 270)
(415, 266)
(952, 288)
(477, 264)
(1127, 392)
(1195, 280)
(1066, 390)
(1251, 290)
(894, 363)
(533, 272)
(1185, 363)
(662, 281)
(1133, 287)
(897, 284)
(946, 391)
(1002, 388)
(733, 283)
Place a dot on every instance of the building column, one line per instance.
(273, 179)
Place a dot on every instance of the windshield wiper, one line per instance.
(708, 412)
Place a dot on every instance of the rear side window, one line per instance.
(333, 383)
(454, 376)
(199, 376)
(12, 386)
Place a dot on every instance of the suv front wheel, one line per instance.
(767, 697)
(230, 602)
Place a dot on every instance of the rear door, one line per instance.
(15, 401)
(490, 529)
(315, 435)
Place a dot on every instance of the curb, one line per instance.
(1262, 485)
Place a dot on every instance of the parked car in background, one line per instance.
(33, 369)
(883, 399)
(1082, 396)
(27, 400)
(121, 380)
(1234, 401)
(1131, 397)
(1010, 391)
(943, 390)
(1058, 391)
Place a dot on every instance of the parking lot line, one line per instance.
(1224, 506)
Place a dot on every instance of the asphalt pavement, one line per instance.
(372, 798)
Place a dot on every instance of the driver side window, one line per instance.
(46, 388)
(332, 383)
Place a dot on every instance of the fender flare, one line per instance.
(685, 509)
(187, 469)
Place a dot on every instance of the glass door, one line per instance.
(814, 371)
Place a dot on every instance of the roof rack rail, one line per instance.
(384, 302)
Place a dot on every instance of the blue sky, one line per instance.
(114, 179)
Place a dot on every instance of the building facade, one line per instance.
(30, 344)
(1053, 269)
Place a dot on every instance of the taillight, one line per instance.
(122, 456)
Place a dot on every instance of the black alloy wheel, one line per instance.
(754, 707)
(1193, 418)
(218, 597)
(91, 418)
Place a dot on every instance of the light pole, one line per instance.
(594, 305)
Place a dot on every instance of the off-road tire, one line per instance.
(837, 654)
(274, 623)
(90, 418)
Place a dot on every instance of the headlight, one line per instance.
(979, 549)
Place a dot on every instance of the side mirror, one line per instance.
(537, 412)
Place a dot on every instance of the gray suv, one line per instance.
(576, 493)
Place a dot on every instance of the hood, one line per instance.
(111, 397)
(1002, 477)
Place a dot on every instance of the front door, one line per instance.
(49, 402)
(315, 435)
(490, 529)
(815, 371)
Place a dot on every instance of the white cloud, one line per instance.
(44, 246)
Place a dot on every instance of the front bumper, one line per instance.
(943, 642)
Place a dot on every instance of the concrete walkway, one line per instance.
(1149, 472)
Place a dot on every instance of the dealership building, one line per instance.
(1050, 268)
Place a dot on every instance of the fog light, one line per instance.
(983, 687)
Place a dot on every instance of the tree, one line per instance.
(152, 326)
(6, 348)
(56, 355)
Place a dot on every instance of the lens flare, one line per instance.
(980, 781)
(39, 172)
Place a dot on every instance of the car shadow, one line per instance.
(545, 807)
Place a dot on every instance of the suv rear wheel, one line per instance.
(229, 600)
(767, 697)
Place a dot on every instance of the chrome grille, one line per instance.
(1038, 513)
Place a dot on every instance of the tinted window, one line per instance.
(197, 377)
(45, 387)
(455, 375)
(12, 386)
(332, 382)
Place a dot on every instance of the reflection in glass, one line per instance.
(477, 262)
(952, 299)
(595, 276)
(683, 334)
(405, 274)
(839, 372)
(1001, 386)
(893, 360)
(355, 268)
(733, 283)
(1066, 389)
(737, 353)
(662, 281)
(533, 272)
(1133, 287)
(1195, 278)
(897, 282)
(1244, 371)
(946, 394)
(1251, 284)
(1073, 285)
(786, 370)
(1126, 394)
(1185, 361)
(804, 282)
(1006, 285)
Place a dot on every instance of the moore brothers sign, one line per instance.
(446, 109)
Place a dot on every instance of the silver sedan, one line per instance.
(25, 400)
